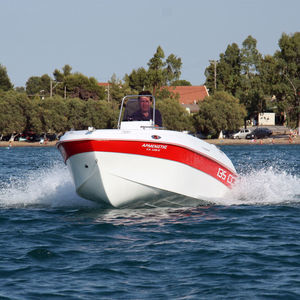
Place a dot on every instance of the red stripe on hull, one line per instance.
(158, 150)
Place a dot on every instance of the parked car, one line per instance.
(259, 133)
(51, 137)
(227, 134)
(241, 134)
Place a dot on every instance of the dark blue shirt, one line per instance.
(138, 116)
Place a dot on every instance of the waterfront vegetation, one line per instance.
(241, 83)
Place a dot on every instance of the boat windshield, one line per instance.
(137, 108)
(131, 109)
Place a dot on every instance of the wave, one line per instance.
(53, 187)
(266, 186)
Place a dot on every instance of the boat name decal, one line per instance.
(154, 147)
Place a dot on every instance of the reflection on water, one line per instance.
(155, 216)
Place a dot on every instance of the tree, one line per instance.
(175, 117)
(155, 72)
(5, 83)
(65, 83)
(160, 72)
(33, 113)
(100, 114)
(54, 114)
(172, 70)
(60, 76)
(251, 92)
(220, 111)
(228, 70)
(250, 57)
(289, 65)
(82, 87)
(232, 59)
(272, 85)
(117, 90)
(12, 117)
(181, 82)
(38, 85)
(138, 80)
(211, 77)
(75, 113)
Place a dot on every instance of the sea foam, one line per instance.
(51, 186)
(267, 186)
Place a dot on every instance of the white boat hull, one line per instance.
(119, 179)
(131, 169)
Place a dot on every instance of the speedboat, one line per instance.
(140, 163)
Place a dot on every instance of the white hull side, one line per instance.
(119, 179)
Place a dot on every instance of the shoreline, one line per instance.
(268, 141)
(285, 140)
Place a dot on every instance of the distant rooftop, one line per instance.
(104, 83)
(189, 94)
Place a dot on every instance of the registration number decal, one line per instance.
(222, 174)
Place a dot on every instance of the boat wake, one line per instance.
(53, 187)
(267, 186)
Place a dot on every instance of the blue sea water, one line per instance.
(55, 245)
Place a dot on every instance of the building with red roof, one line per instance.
(105, 84)
(189, 96)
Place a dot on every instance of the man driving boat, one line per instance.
(145, 113)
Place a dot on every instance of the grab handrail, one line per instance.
(135, 96)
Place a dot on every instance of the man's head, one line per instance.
(145, 101)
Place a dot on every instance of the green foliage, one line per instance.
(156, 62)
(253, 98)
(34, 115)
(259, 82)
(164, 93)
(36, 85)
(156, 74)
(20, 89)
(181, 82)
(19, 113)
(232, 66)
(228, 71)
(289, 66)
(172, 70)
(12, 117)
(220, 111)
(117, 90)
(100, 114)
(54, 114)
(137, 80)
(80, 86)
(60, 76)
(160, 72)
(255, 79)
(175, 117)
(5, 83)
(66, 84)
(250, 57)
(75, 113)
